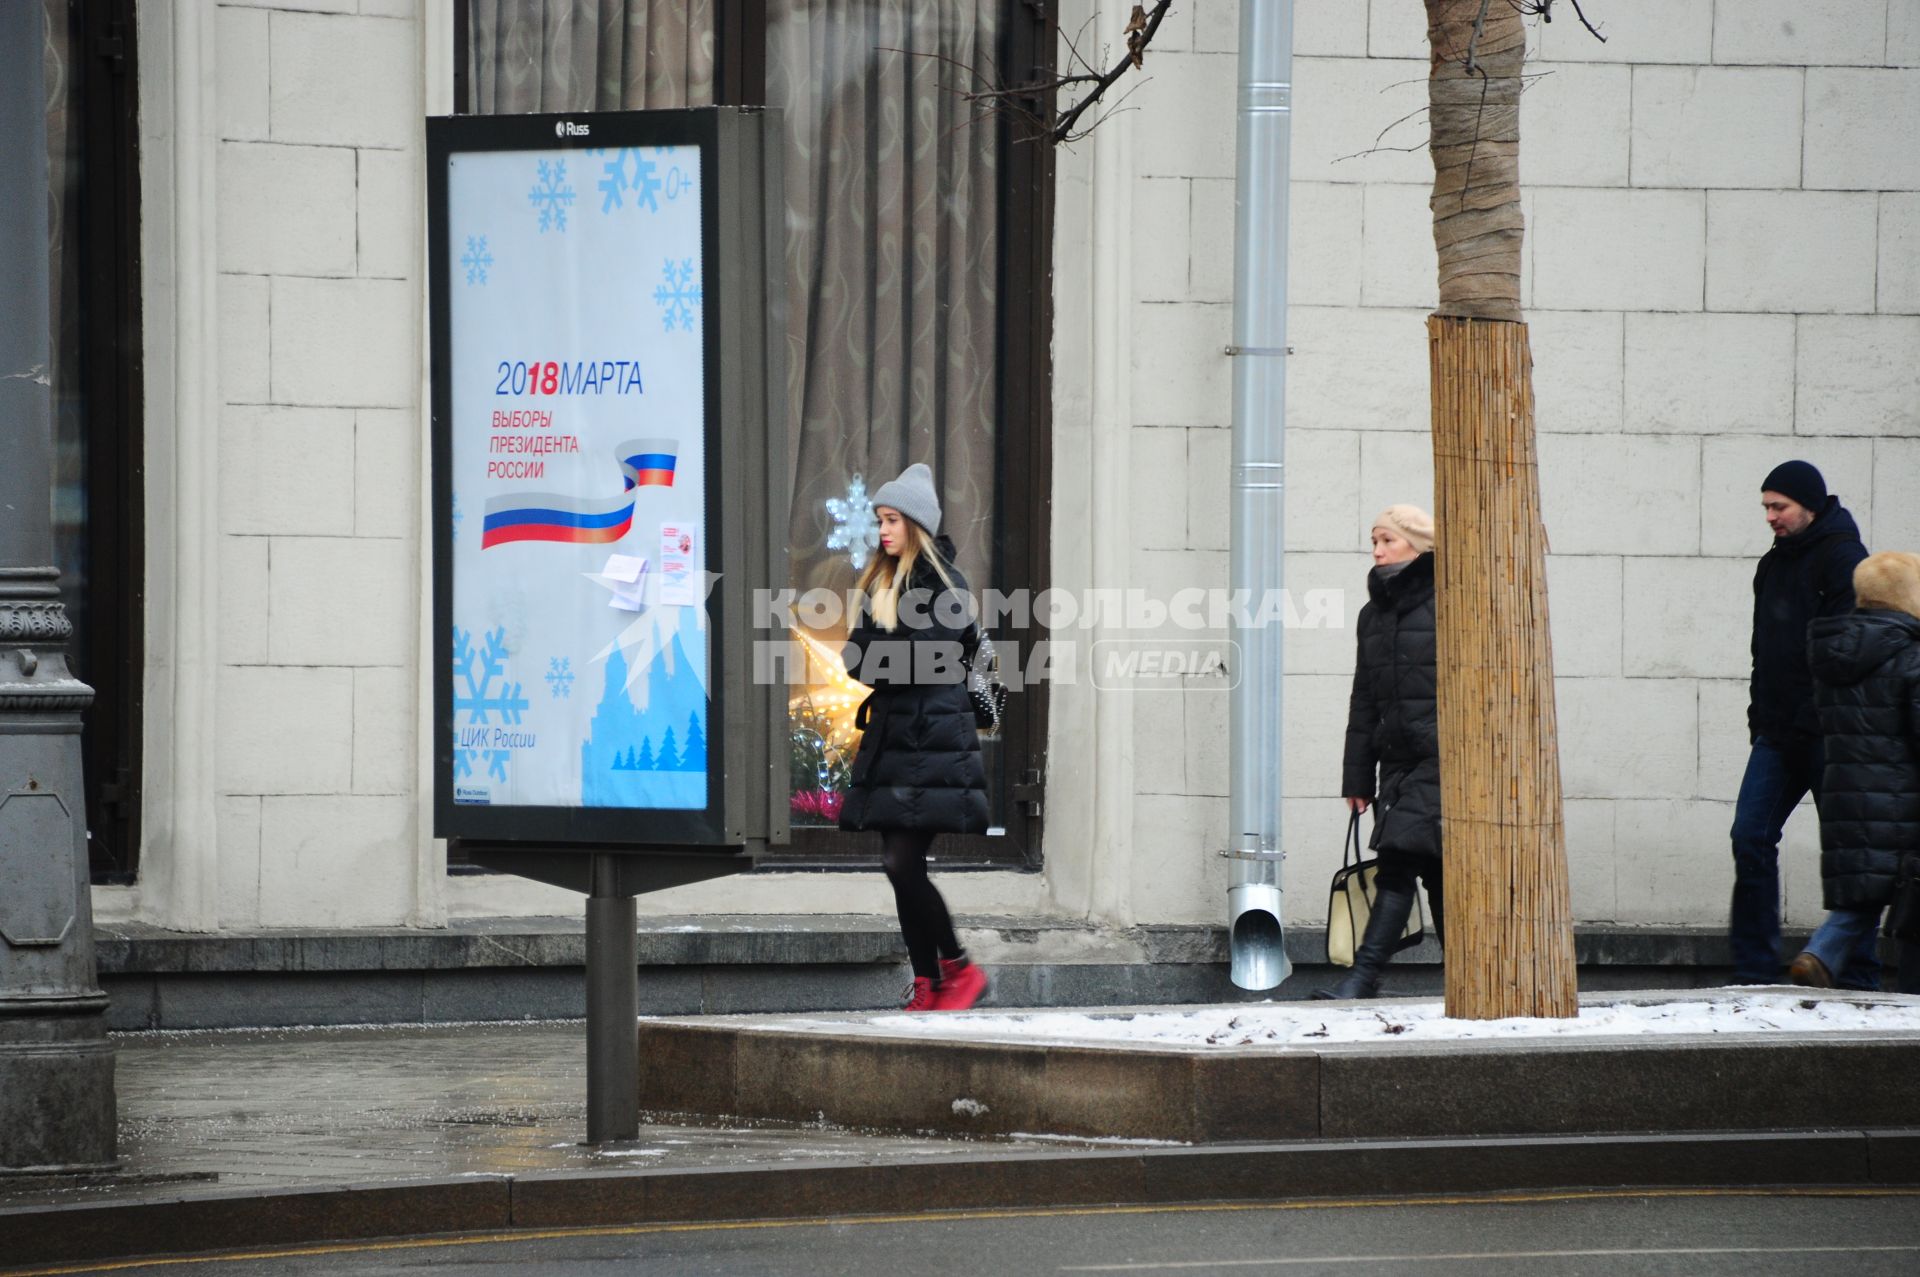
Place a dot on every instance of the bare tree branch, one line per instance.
(1544, 8)
(1030, 103)
(1140, 30)
(1479, 29)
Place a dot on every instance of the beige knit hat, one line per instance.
(1891, 580)
(1409, 522)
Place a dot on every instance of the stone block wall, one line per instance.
(1722, 271)
(320, 294)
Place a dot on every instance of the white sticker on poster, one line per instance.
(677, 565)
(625, 575)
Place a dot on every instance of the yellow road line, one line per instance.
(928, 1217)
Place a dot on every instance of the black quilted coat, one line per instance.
(1866, 668)
(919, 764)
(1392, 719)
(1800, 578)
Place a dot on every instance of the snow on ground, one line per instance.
(1305, 1024)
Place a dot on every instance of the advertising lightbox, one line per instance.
(608, 477)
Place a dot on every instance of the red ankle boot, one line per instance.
(961, 985)
(920, 995)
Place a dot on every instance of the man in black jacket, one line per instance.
(1808, 573)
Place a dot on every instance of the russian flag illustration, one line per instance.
(649, 462)
(548, 516)
(551, 516)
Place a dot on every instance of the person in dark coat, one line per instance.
(1393, 728)
(919, 770)
(1807, 574)
(1866, 669)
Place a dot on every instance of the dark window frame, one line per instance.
(1024, 394)
(111, 653)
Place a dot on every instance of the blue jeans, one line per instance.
(1848, 944)
(1778, 777)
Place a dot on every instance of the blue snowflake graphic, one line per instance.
(476, 259)
(855, 530)
(679, 297)
(645, 182)
(483, 695)
(560, 675)
(551, 195)
(457, 516)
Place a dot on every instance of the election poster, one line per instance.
(581, 649)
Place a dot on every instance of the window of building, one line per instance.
(918, 297)
(94, 215)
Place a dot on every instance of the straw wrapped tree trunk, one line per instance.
(1509, 919)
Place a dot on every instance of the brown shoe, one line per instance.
(1810, 971)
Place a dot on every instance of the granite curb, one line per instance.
(127, 949)
(846, 1070)
(194, 1222)
(533, 968)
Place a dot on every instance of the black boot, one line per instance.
(1391, 906)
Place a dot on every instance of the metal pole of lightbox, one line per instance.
(613, 1007)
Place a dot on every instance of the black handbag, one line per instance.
(1350, 903)
(985, 691)
(1903, 915)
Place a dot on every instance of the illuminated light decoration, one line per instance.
(825, 669)
(855, 529)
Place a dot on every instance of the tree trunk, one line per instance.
(1509, 942)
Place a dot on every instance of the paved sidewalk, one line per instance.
(264, 1138)
(296, 1108)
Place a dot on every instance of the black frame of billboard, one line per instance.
(573, 828)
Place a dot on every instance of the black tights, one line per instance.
(924, 921)
(1398, 869)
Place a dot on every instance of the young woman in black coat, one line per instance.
(918, 772)
(1393, 729)
(1866, 670)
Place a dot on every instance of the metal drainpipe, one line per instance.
(1259, 413)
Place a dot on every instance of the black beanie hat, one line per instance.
(1799, 480)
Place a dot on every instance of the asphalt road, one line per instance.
(1697, 1233)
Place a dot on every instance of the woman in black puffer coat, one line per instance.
(1866, 669)
(1393, 728)
(919, 771)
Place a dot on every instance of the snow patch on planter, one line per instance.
(1297, 1024)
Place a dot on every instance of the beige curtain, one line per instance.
(529, 56)
(892, 256)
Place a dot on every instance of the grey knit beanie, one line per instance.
(912, 494)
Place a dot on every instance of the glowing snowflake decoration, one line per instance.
(855, 529)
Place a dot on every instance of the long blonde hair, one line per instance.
(889, 574)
